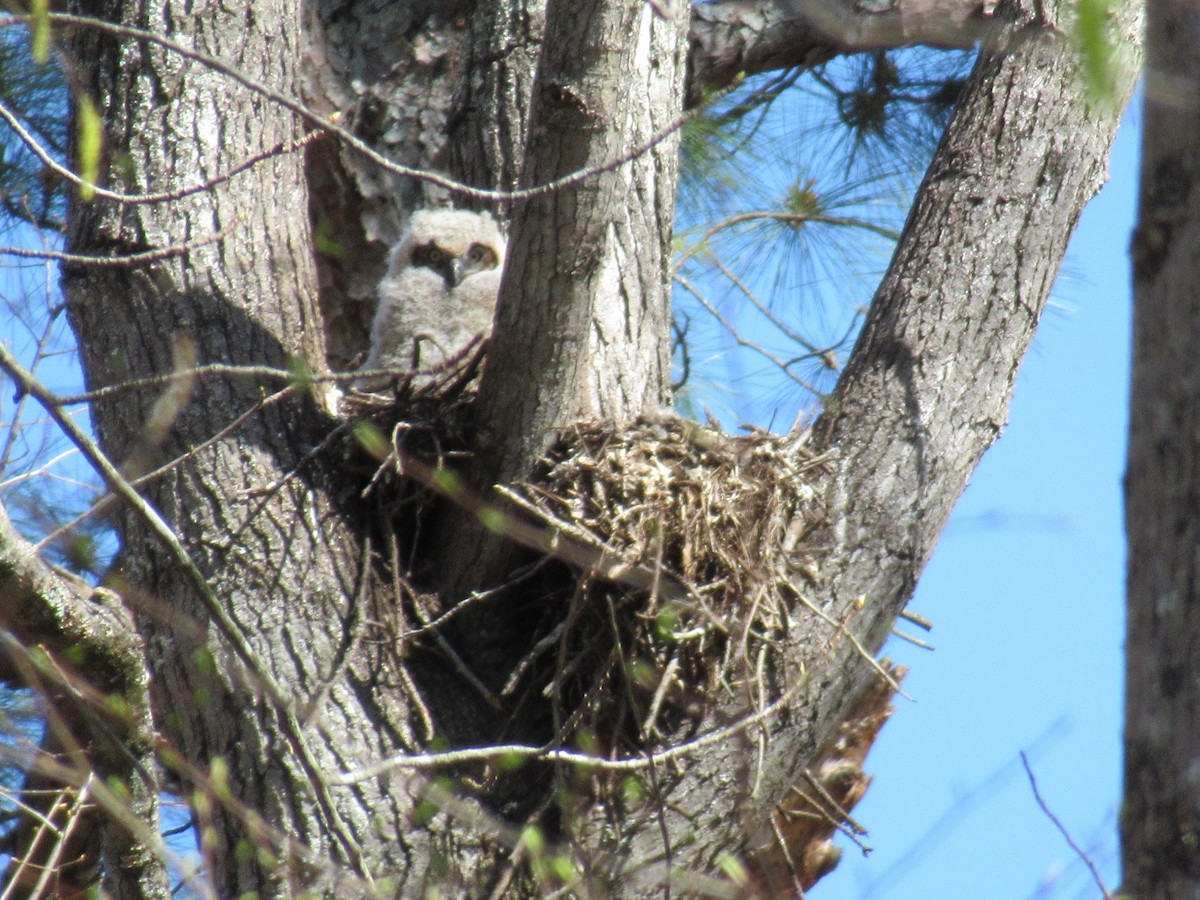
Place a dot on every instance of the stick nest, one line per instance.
(695, 547)
(677, 554)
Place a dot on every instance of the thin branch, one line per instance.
(787, 218)
(39, 354)
(51, 863)
(840, 630)
(104, 504)
(58, 168)
(924, 645)
(919, 621)
(43, 469)
(1079, 851)
(783, 365)
(210, 369)
(316, 120)
(550, 539)
(421, 761)
(118, 262)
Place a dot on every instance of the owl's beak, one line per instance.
(456, 272)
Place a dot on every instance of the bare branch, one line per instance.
(48, 160)
(61, 613)
(326, 124)
(1079, 851)
(128, 260)
(733, 39)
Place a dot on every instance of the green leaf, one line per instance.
(302, 374)
(324, 241)
(372, 440)
(447, 482)
(39, 27)
(90, 138)
(493, 520)
(534, 840)
(1095, 48)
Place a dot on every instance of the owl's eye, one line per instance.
(480, 255)
(428, 255)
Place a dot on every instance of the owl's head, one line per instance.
(454, 243)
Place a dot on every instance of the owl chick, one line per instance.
(439, 292)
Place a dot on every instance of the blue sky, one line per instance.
(1026, 592)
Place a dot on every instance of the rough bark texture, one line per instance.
(584, 308)
(276, 529)
(257, 517)
(1160, 814)
(927, 387)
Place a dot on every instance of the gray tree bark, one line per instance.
(257, 517)
(1160, 812)
(284, 662)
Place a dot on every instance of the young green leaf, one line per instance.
(39, 28)
(90, 142)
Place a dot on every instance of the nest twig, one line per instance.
(701, 510)
(682, 553)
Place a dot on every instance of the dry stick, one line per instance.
(823, 816)
(527, 661)
(21, 865)
(551, 541)
(423, 761)
(837, 807)
(228, 629)
(119, 262)
(1079, 851)
(51, 163)
(912, 640)
(73, 817)
(919, 621)
(60, 842)
(316, 120)
(840, 628)
(793, 870)
(474, 597)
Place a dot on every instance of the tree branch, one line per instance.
(42, 607)
(68, 619)
(927, 387)
(735, 38)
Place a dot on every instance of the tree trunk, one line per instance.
(1160, 813)
(253, 506)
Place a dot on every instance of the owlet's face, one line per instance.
(454, 243)
(453, 263)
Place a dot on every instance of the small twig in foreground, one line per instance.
(1079, 851)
